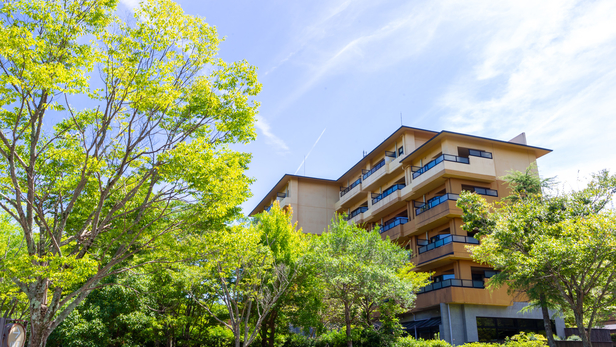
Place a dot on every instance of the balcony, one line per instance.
(434, 202)
(439, 253)
(452, 283)
(393, 228)
(356, 215)
(478, 166)
(388, 201)
(393, 222)
(461, 292)
(387, 192)
(434, 212)
(372, 176)
(447, 240)
(349, 195)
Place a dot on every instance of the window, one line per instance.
(498, 329)
(444, 277)
(400, 151)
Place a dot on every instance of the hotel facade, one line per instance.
(408, 186)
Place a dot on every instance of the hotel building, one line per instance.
(408, 185)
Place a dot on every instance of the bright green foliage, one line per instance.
(114, 139)
(360, 272)
(562, 246)
(249, 268)
(11, 247)
(289, 246)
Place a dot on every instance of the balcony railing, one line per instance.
(434, 202)
(367, 173)
(485, 191)
(390, 154)
(357, 211)
(348, 189)
(447, 240)
(438, 160)
(481, 154)
(387, 192)
(393, 222)
(452, 283)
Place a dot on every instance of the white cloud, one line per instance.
(271, 139)
(332, 46)
(546, 68)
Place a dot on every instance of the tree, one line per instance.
(288, 246)
(523, 186)
(557, 247)
(249, 269)
(362, 272)
(93, 187)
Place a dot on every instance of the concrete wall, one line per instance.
(315, 205)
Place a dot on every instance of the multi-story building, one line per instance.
(408, 186)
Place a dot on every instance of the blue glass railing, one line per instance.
(434, 202)
(367, 173)
(392, 223)
(485, 191)
(447, 240)
(387, 192)
(438, 160)
(357, 211)
(481, 154)
(349, 188)
(452, 283)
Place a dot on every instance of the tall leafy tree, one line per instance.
(363, 274)
(249, 268)
(288, 247)
(559, 248)
(113, 140)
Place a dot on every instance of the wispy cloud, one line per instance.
(332, 47)
(279, 145)
(544, 67)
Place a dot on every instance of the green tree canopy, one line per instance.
(93, 186)
(363, 274)
(560, 246)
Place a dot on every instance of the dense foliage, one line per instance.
(114, 143)
(558, 247)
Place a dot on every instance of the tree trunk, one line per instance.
(263, 334)
(546, 321)
(347, 321)
(236, 332)
(39, 326)
(580, 324)
(272, 327)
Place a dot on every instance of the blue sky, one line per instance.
(335, 69)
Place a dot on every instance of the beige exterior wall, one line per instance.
(315, 202)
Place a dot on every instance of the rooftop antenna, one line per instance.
(400, 118)
(304, 165)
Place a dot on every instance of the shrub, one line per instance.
(574, 338)
(409, 341)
